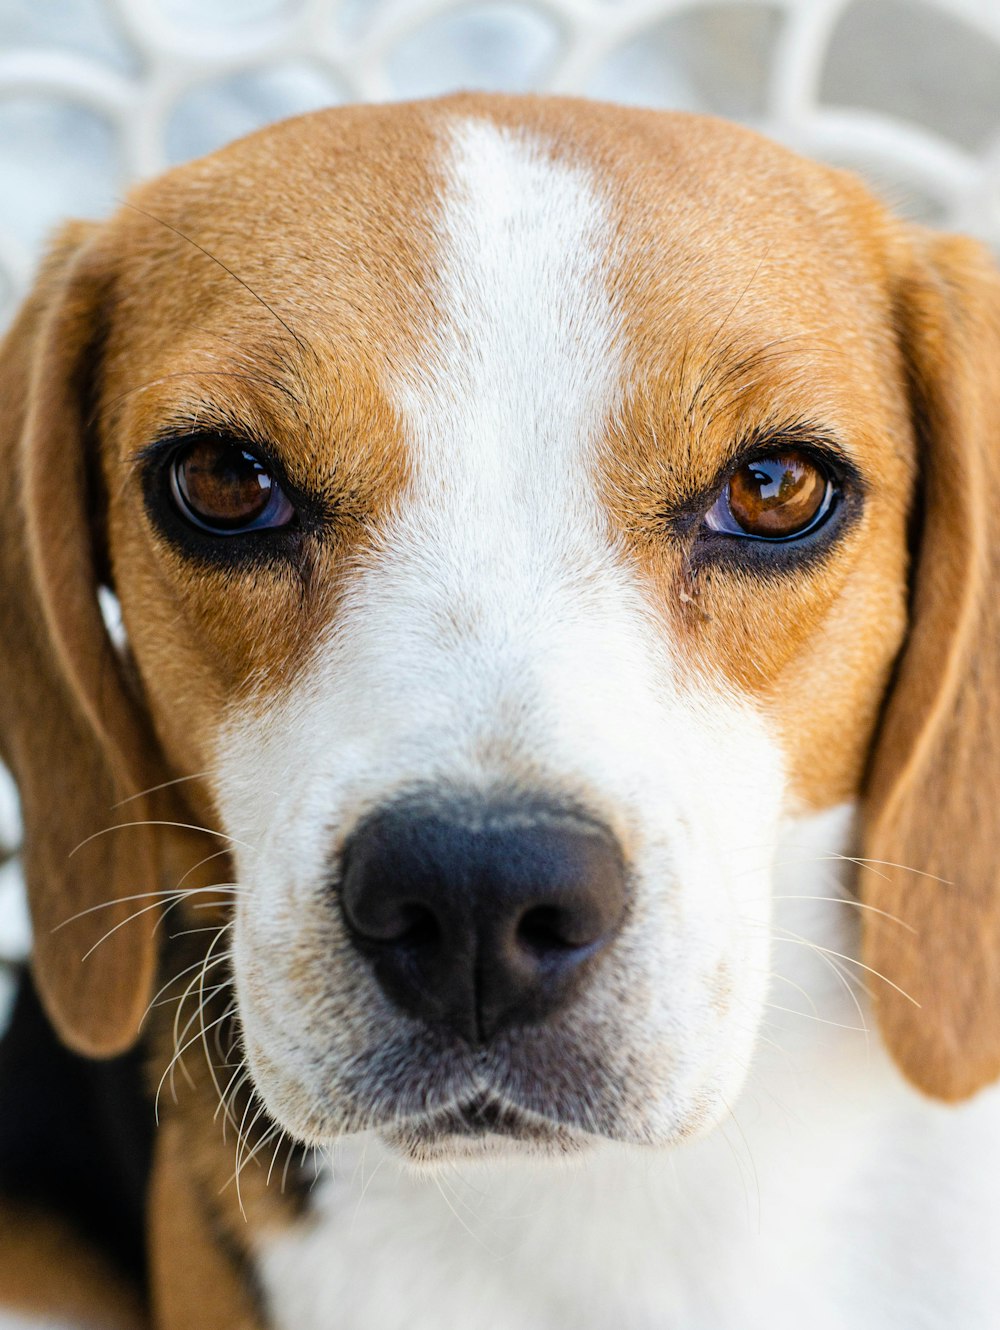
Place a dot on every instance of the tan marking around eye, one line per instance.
(266, 288)
(734, 326)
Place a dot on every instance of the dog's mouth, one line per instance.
(482, 1124)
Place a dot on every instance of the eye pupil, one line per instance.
(224, 489)
(222, 485)
(778, 496)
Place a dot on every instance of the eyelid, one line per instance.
(156, 455)
(683, 522)
(169, 440)
(263, 545)
(815, 443)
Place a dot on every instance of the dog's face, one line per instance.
(491, 599)
(508, 504)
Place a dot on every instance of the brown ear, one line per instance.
(933, 799)
(69, 728)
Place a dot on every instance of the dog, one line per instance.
(500, 659)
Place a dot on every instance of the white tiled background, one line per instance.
(95, 93)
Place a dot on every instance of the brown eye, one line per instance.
(775, 497)
(224, 489)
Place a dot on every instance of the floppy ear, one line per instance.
(933, 799)
(69, 726)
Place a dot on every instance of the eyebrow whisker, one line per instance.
(296, 338)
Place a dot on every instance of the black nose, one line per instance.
(480, 917)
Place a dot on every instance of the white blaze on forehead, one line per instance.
(492, 626)
(492, 638)
(524, 360)
(459, 625)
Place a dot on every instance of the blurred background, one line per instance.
(97, 93)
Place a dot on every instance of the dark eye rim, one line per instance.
(831, 497)
(775, 556)
(253, 544)
(277, 499)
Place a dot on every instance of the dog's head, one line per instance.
(517, 510)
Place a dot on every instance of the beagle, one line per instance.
(525, 859)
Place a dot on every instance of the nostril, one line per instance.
(548, 928)
(415, 926)
(395, 923)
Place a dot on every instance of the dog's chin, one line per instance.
(463, 1119)
(481, 1128)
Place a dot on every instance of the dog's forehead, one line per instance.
(338, 221)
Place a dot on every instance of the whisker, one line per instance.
(206, 963)
(844, 900)
(209, 992)
(241, 1145)
(438, 1182)
(191, 1020)
(822, 1020)
(282, 1136)
(843, 977)
(137, 914)
(303, 346)
(226, 955)
(740, 1164)
(848, 981)
(141, 896)
(733, 308)
(227, 1097)
(169, 984)
(201, 1008)
(177, 1060)
(774, 974)
(365, 1184)
(216, 854)
(862, 862)
(161, 822)
(178, 780)
(264, 1141)
(178, 898)
(850, 960)
(189, 932)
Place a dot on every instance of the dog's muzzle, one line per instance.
(482, 916)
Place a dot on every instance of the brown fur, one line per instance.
(232, 288)
(72, 735)
(934, 790)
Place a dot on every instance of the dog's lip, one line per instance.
(483, 1115)
(479, 1118)
(475, 1115)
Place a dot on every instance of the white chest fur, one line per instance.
(834, 1197)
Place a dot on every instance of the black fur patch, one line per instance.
(75, 1135)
